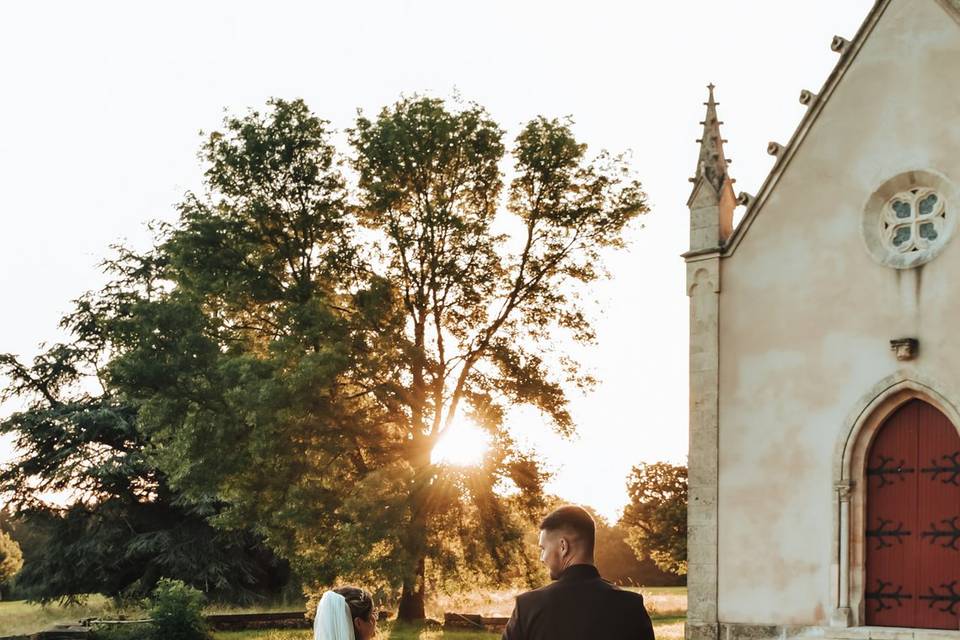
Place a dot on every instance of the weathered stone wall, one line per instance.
(703, 288)
(805, 320)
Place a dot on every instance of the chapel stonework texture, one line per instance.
(825, 354)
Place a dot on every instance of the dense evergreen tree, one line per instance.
(96, 513)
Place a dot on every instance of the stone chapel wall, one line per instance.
(806, 316)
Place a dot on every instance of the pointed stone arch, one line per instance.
(849, 470)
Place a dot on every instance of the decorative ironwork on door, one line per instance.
(913, 521)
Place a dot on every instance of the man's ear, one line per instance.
(564, 547)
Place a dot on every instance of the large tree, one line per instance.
(298, 342)
(484, 313)
(656, 516)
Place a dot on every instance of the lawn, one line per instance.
(386, 631)
(667, 607)
(19, 617)
(667, 628)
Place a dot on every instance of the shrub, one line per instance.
(177, 612)
(11, 559)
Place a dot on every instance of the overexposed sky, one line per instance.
(101, 103)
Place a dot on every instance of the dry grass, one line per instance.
(668, 629)
(486, 603)
(661, 602)
(665, 602)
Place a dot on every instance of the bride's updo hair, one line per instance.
(359, 601)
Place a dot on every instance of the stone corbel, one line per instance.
(839, 44)
(905, 348)
(807, 97)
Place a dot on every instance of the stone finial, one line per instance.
(807, 97)
(839, 44)
(905, 348)
(712, 200)
(745, 199)
(775, 149)
(712, 164)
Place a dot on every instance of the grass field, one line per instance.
(667, 607)
(19, 617)
(665, 629)
(385, 632)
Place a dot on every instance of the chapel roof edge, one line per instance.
(847, 56)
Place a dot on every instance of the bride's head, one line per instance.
(361, 610)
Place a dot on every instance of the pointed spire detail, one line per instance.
(712, 164)
(711, 208)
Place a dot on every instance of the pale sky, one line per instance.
(101, 103)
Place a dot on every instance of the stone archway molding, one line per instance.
(849, 471)
(884, 398)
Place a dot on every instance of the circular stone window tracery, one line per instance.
(913, 220)
(910, 218)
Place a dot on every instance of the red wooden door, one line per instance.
(913, 521)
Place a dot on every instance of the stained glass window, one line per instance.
(928, 231)
(901, 235)
(901, 209)
(913, 221)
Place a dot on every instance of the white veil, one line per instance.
(333, 620)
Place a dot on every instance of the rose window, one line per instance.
(909, 219)
(913, 221)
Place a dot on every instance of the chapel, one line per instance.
(824, 461)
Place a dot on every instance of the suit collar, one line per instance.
(579, 572)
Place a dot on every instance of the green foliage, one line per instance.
(177, 611)
(482, 310)
(125, 527)
(656, 516)
(11, 558)
(290, 351)
(617, 562)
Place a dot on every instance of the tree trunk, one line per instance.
(411, 600)
(415, 542)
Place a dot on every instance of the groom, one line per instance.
(578, 604)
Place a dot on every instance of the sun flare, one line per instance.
(463, 445)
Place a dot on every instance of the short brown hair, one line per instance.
(575, 519)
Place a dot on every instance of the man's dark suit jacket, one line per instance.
(579, 605)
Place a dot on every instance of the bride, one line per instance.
(345, 613)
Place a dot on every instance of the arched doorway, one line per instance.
(913, 521)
